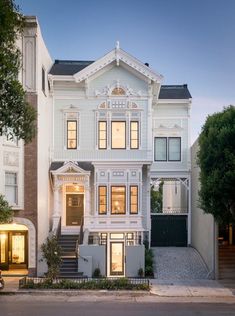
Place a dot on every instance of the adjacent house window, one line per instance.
(102, 199)
(102, 142)
(118, 135)
(133, 199)
(160, 149)
(167, 149)
(118, 200)
(11, 188)
(72, 134)
(174, 149)
(134, 135)
(43, 80)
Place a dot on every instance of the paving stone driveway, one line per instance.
(178, 263)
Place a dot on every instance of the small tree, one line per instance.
(6, 212)
(51, 252)
(216, 158)
(17, 117)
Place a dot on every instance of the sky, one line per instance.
(187, 41)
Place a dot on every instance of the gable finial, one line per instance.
(117, 45)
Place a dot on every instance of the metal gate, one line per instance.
(169, 230)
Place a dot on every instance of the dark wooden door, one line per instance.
(169, 230)
(74, 209)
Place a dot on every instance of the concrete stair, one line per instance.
(227, 262)
(69, 265)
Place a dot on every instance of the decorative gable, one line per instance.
(118, 55)
(70, 167)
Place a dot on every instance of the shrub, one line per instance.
(98, 284)
(97, 273)
(51, 252)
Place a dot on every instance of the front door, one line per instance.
(4, 262)
(117, 258)
(74, 209)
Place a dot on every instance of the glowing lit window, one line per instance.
(134, 135)
(102, 135)
(102, 199)
(134, 199)
(118, 135)
(118, 199)
(72, 134)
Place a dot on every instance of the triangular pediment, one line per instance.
(70, 167)
(118, 56)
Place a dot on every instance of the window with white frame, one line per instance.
(134, 134)
(102, 135)
(167, 148)
(117, 200)
(11, 188)
(72, 134)
(118, 135)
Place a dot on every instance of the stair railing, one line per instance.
(78, 252)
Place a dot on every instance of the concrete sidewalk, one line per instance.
(190, 288)
(159, 288)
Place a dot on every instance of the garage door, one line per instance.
(169, 230)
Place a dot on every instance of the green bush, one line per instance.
(149, 262)
(51, 252)
(97, 273)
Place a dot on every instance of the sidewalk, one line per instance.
(190, 288)
(159, 288)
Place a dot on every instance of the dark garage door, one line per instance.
(169, 230)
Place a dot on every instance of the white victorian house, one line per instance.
(109, 134)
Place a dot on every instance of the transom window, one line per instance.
(11, 188)
(167, 149)
(118, 200)
(102, 199)
(118, 135)
(72, 134)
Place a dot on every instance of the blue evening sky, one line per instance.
(187, 41)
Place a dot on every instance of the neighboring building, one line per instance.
(108, 132)
(24, 169)
(214, 242)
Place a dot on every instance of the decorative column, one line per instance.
(56, 210)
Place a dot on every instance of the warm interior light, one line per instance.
(3, 236)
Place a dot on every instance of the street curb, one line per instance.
(79, 292)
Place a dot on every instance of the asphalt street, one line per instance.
(59, 306)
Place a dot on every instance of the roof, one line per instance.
(71, 67)
(87, 166)
(68, 67)
(174, 92)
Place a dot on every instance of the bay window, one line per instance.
(102, 132)
(102, 197)
(118, 200)
(118, 138)
(133, 199)
(134, 135)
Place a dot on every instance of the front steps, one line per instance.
(69, 265)
(227, 262)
